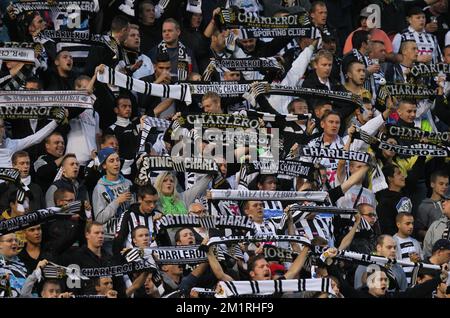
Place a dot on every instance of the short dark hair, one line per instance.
(252, 261)
(121, 96)
(60, 192)
(290, 106)
(178, 233)
(55, 133)
(316, 4)
(90, 224)
(105, 137)
(139, 227)
(438, 173)
(19, 154)
(119, 22)
(329, 113)
(402, 215)
(162, 57)
(388, 171)
(172, 20)
(359, 37)
(146, 190)
(67, 156)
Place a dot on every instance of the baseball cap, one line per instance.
(441, 244)
(104, 154)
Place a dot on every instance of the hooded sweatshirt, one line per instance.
(428, 212)
(106, 210)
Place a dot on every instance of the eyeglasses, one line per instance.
(10, 241)
(372, 215)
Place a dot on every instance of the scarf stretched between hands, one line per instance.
(247, 64)
(257, 238)
(268, 287)
(112, 77)
(41, 104)
(243, 195)
(257, 88)
(412, 150)
(180, 164)
(251, 25)
(33, 218)
(430, 69)
(335, 154)
(404, 90)
(418, 135)
(207, 222)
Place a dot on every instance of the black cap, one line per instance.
(441, 244)
(415, 11)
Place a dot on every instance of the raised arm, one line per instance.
(297, 264)
(216, 268)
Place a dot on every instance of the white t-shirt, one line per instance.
(81, 138)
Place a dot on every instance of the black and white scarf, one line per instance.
(112, 77)
(244, 195)
(17, 54)
(321, 209)
(252, 25)
(404, 90)
(291, 168)
(183, 59)
(41, 104)
(207, 222)
(12, 175)
(247, 64)
(33, 218)
(177, 254)
(417, 135)
(257, 88)
(335, 154)
(412, 150)
(150, 122)
(421, 69)
(278, 254)
(17, 81)
(257, 238)
(269, 287)
(180, 164)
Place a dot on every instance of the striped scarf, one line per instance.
(270, 287)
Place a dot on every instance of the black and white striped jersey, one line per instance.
(128, 222)
(426, 43)
(404, 248)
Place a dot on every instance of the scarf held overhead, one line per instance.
(112, 77)
(244, 195)
(207, 222)
(268, 287)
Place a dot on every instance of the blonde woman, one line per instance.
(172, 202)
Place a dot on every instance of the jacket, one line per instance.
(434, 233)
(429, 211)
(106, 210)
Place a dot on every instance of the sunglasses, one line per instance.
(372, 215)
